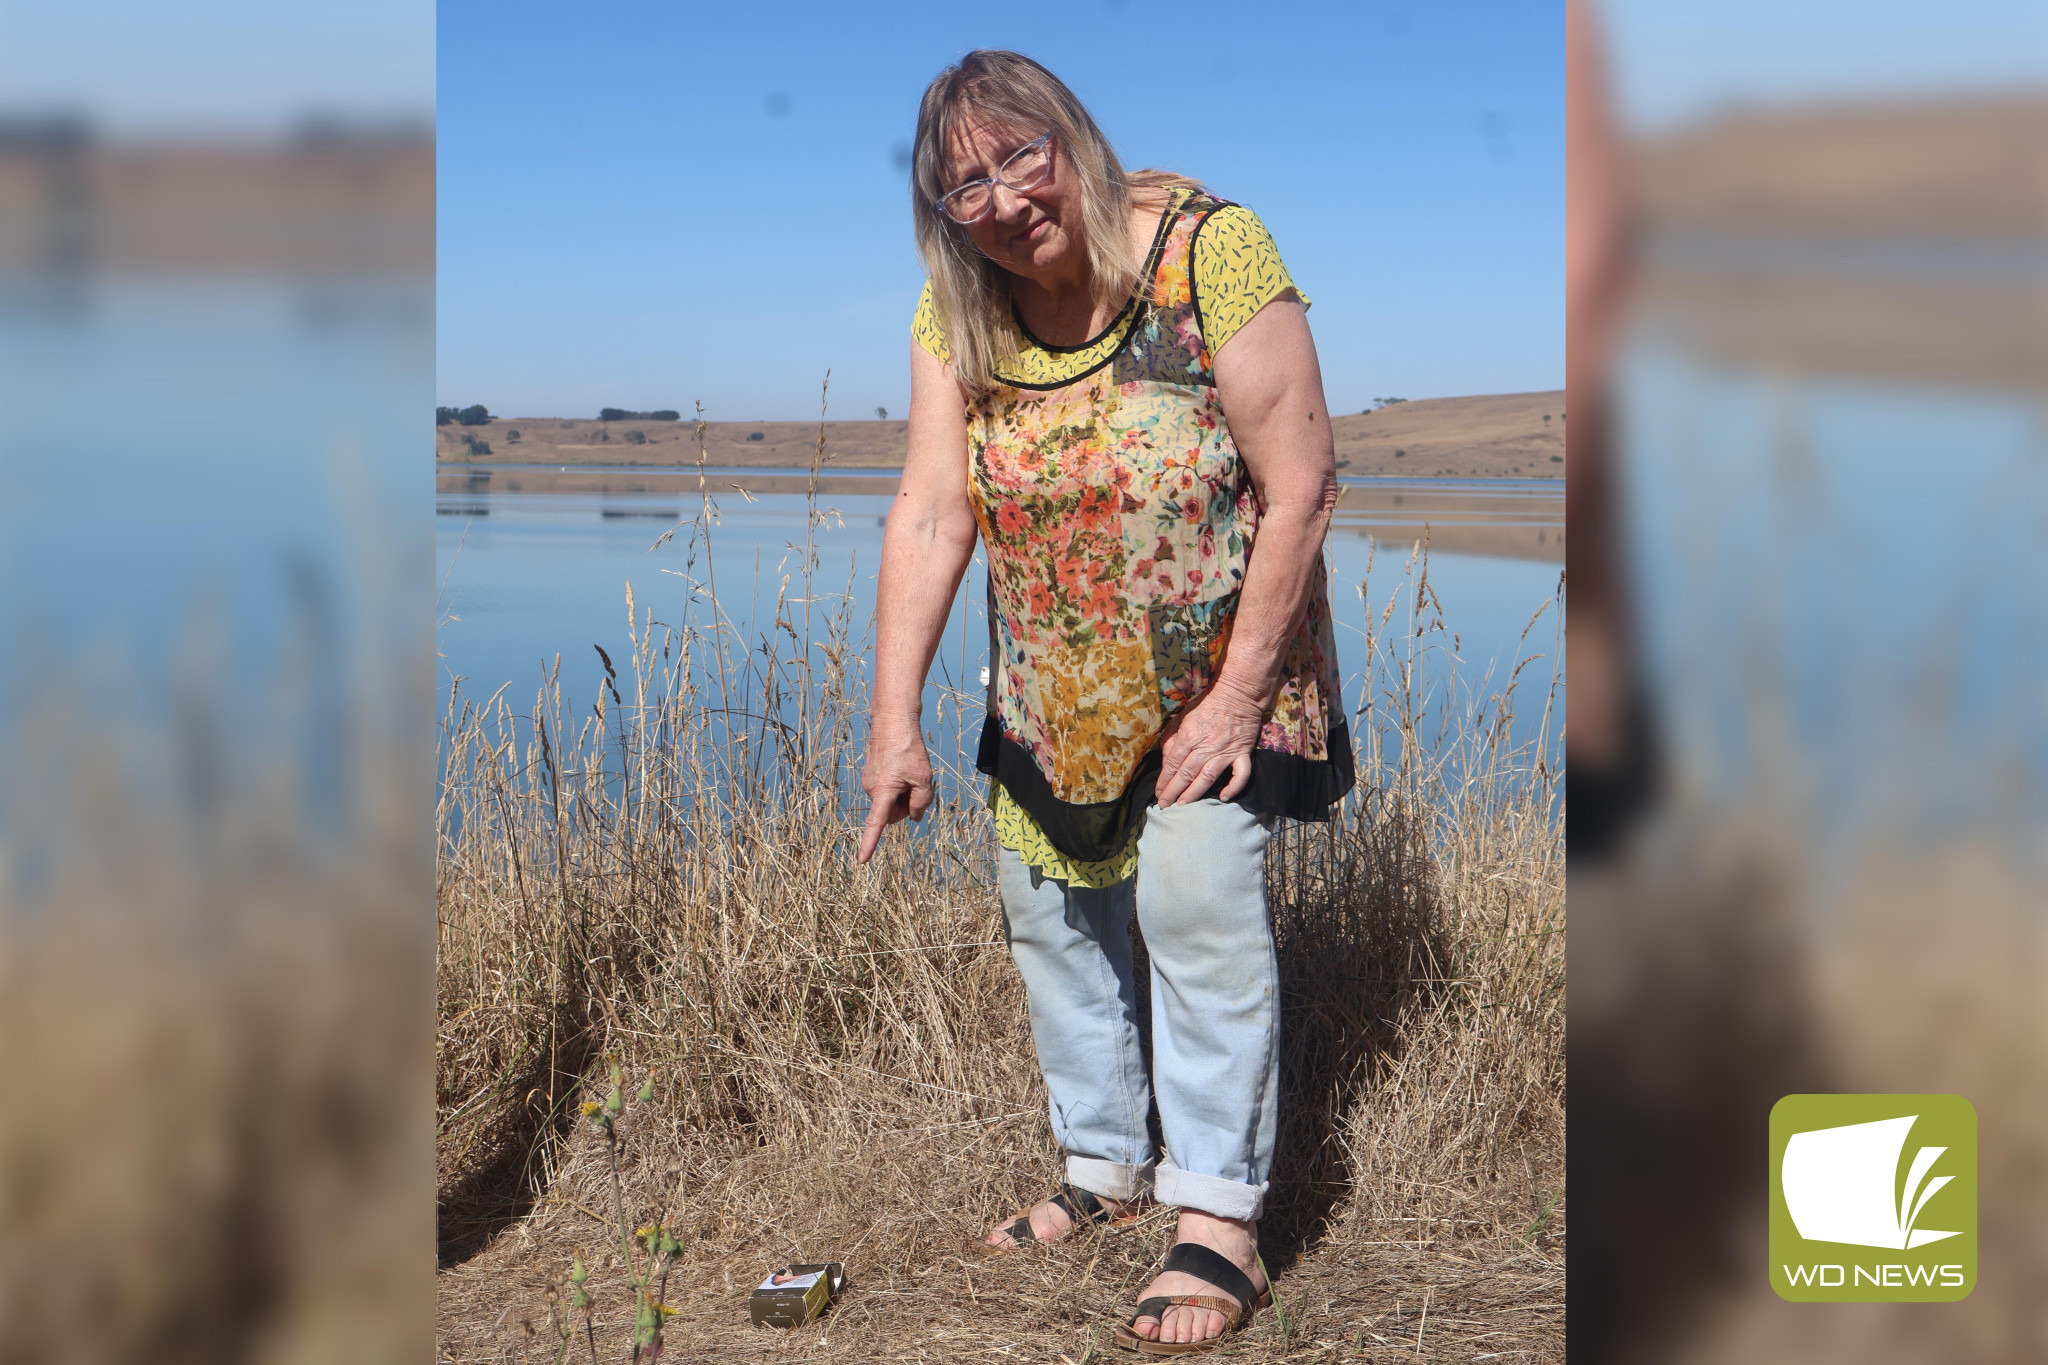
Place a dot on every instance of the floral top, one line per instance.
(1118, 518)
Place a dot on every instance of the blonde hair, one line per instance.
(970, 291)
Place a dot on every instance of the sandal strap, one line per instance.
(1192, 1258)
(1080, 1205)
(1233, 1313)
(1156, 1307)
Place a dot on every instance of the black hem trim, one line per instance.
(1194, 283)
(1096, 368)
(1282, 785)
(1095, 340)
(1146, 278)
(1159, 235)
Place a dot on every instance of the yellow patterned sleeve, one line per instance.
(1237, 271)
(1018, 832)
(925, 325)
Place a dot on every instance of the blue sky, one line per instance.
(238, 67)
(1678, 61)
(626, 220)
(624, 223)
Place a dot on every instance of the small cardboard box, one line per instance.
(799, 1298)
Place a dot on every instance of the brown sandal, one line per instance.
(1192, 1258)
(1078, 1204)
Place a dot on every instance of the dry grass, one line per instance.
(1488, 436)
(843, 1061)
(214, 1039)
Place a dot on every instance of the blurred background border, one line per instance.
(1809, 719)
(216, 357)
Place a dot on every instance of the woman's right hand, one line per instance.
(897, 777)
(926, 547)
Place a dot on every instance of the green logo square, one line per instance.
(1873, 1198)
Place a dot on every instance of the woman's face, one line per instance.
(1035, 234)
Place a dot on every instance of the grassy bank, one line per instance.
(841, 1055)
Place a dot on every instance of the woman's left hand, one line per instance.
(1217, 733)
(1272, 393)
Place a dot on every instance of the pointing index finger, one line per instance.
(871, 836)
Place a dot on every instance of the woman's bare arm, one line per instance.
(1271, 387)
(926, 546)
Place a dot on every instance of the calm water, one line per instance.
(171, 453)
(1844, 595)
(535, 562)
(213, 530)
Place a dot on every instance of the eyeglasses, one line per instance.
(1026, 169)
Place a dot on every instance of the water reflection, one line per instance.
(536, 563)
(1494, 518)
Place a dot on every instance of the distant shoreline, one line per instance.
(1517, 518)
(1485, 436)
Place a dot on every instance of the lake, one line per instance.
(534, 562)
(1843, 589)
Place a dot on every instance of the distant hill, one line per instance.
(1961, 167)
(1500, 435)
(1491, 436)
(574, 441)
(1878, 242)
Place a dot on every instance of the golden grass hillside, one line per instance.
(1500, 435)
(1509, 435)
(841, 1058)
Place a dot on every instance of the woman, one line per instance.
(1113, 386)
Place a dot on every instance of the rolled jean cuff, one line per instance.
(1116, 1180)
(1209, 1194)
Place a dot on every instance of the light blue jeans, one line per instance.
(1200, 896)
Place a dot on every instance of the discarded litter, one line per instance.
(795, 1294)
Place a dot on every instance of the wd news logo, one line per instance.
(1873, 1198)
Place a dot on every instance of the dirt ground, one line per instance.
(1356, 1296)
(1510, 435)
